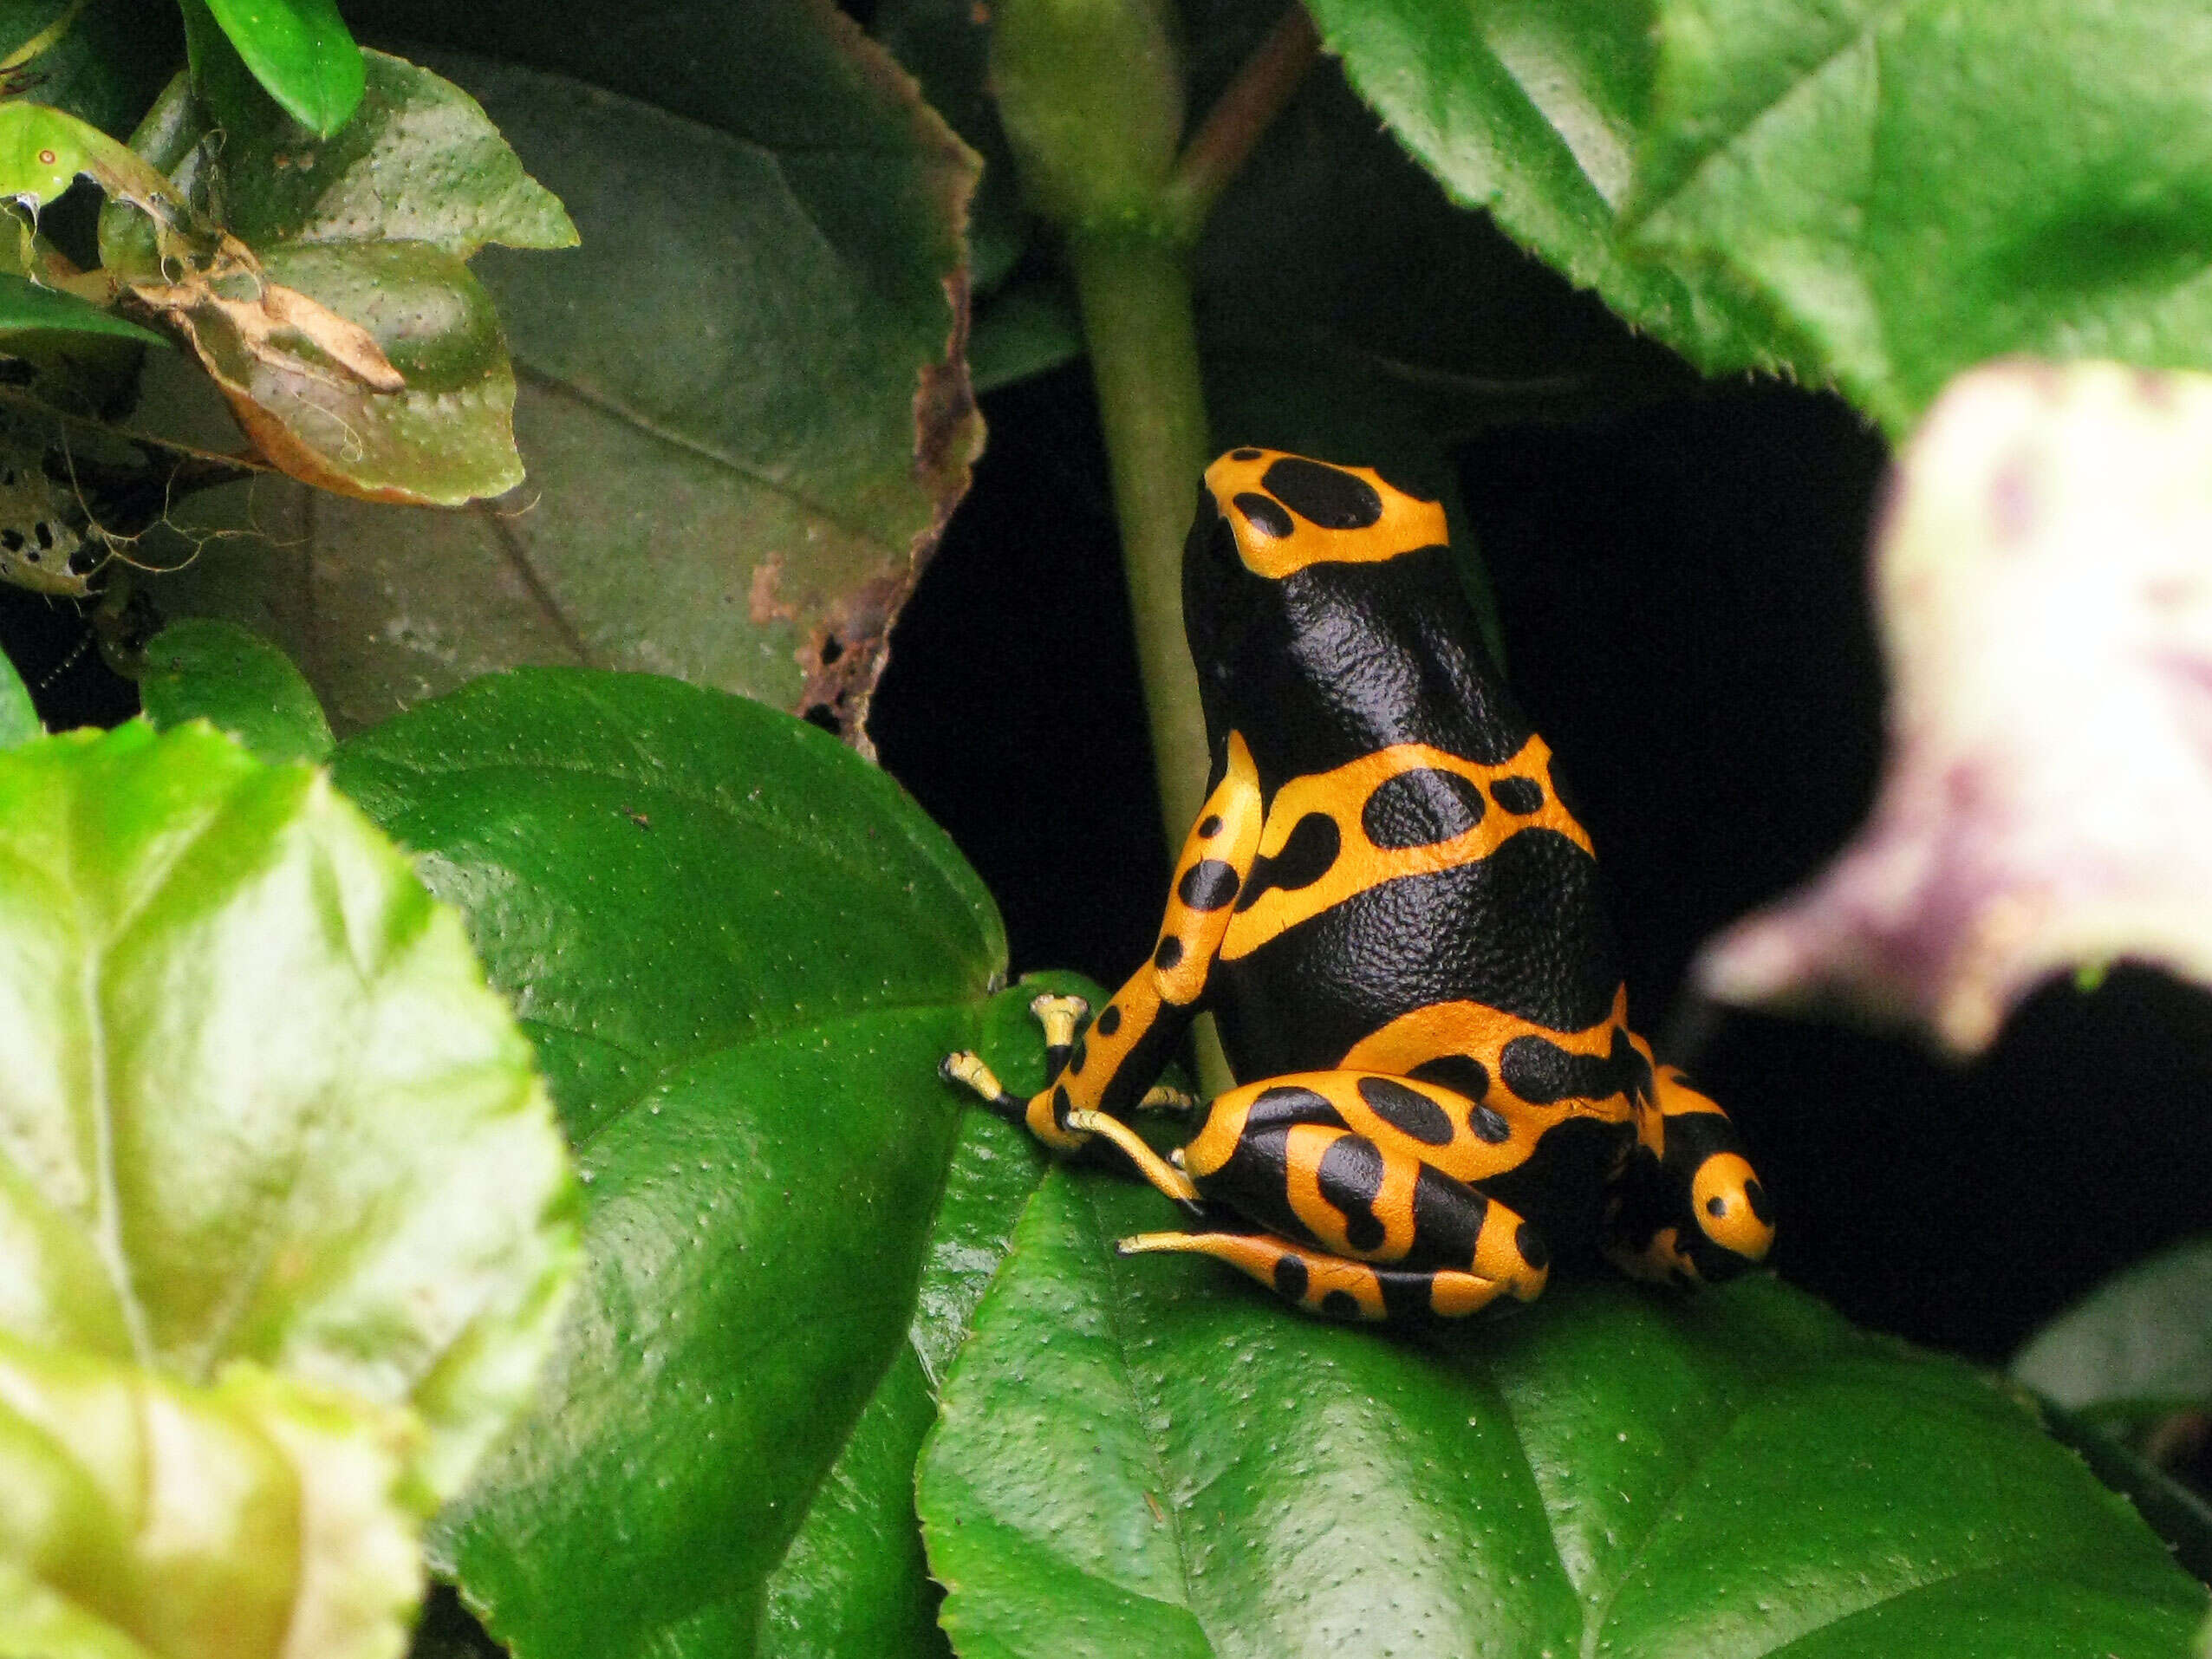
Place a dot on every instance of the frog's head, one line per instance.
(1322, 600)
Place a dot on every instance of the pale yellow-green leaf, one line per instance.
(252, 1518)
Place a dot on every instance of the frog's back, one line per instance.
(1422, 888)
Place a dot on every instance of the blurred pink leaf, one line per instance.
(2044, 574)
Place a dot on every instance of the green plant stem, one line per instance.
(1134, 292)
(1136, 296)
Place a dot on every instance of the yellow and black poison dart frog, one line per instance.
(1394, 917)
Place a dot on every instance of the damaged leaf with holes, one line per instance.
(331, 300)
(744, 396)
(75, 493)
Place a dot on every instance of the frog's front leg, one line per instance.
(1363, 1223)
(1109, 1067)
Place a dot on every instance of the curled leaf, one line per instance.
(412, 404)
(2046, 601)
(333, 308)
(267, 321)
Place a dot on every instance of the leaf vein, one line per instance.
(1169, 1500)
(604, 404)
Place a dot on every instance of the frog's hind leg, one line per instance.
(1166, 1176)
(1686, 1206)
(1336, 1287)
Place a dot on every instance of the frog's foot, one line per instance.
(1337, 1287)
(968, 1070)
(1059, 1016)
(1165, 1176)
(1687, 1207)
(1161, 1098)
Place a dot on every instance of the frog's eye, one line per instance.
(1264, 515)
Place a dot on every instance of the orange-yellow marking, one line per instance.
(1405, 525)
(1360, 864)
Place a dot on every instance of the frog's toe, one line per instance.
(1059, 1016)
(968, 1071)
(1162, 1098)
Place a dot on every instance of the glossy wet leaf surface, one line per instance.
(742, 399)
(741, 951)
(274, 1165)
(1139, 1456)
(301, 52)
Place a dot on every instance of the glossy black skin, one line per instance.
(1334, 661)
(1394, 914)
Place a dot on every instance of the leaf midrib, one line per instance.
(1724, 144)
(1170, 1503)
(603, 402)
(99, 943)
(1761, 1393)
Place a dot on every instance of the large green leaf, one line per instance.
(274, 1170)
(744, 399)
(742, 951)
(853, 1584)
(1144, 1457)
(1842, 188)
(1909, 208)
(1536, 110)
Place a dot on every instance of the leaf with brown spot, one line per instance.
(334, 309)
(744, 398)
(2047, 611)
